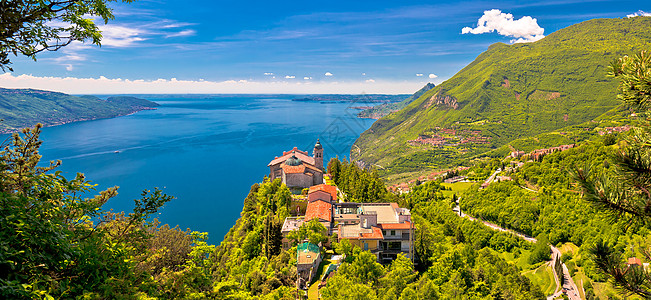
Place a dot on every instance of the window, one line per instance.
(393, 232)
(365, 246)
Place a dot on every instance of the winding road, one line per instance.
(569, 288)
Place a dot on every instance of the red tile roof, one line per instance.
(293, 169)
(318, 209)
(403, 226)
(312, 167)
(332, 190)
(295, 150)
(287, 154)
(375, 235)
(634, 261)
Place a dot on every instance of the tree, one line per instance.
(625, 192)
(32, 26)
(400, 274)
(541, 250)
(341, 287)
(364, 268)
(312, 230)
(56, 243)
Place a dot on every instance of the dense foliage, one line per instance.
(84, 251)
(555, 209)
(358, 184)
(508, 92)
(54, 242)
(623, 191)
(456, 257)
(250, 261)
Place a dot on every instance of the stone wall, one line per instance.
(298, 180)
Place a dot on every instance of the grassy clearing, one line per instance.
(604, 290)
(569, 247)
(543, 277)
(456, 187)
(540, 274)
(313, 291)
(521, 260)
(580, 278)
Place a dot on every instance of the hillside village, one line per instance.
(519, 158)
(384, 229)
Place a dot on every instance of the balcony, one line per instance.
(391, 247)
(402, 237)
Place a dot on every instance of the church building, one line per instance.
(297, 169)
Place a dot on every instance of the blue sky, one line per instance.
(295, 46)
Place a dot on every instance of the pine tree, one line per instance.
(626, 193)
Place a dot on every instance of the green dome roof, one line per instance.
(293, 161)
(318, 145)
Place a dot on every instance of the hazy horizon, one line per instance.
(380, 47)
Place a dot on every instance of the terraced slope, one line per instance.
(508, 92)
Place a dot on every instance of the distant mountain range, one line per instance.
(362, 98)
(25, 107)
(384, 109)
(508, 93)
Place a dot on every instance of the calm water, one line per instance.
(205, 150)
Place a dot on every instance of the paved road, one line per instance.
(569, 288)
(492, 177)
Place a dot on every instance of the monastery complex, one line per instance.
(384, 229)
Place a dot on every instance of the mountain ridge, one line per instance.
(508, 92)
(382, 110)
(25, 107)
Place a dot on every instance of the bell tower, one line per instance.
(318, 155)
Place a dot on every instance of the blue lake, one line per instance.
(206, 150)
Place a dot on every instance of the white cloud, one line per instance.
(328, 74)
(363, 74)
(182, 33)
(268, 74)
(370, 80)
(639, 13)
(307, 78)
(103, 85)
(419, 75)
(432, 76)
(69, 56)
(290, 77)
(120, 36)
(524, 30)
(174, 24)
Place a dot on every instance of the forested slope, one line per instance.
(26, 107)
(508, 92)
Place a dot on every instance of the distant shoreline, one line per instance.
(20, 108)
(68, 121)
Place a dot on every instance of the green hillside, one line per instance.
(509, 92)
(25, 107)
(382, 110)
